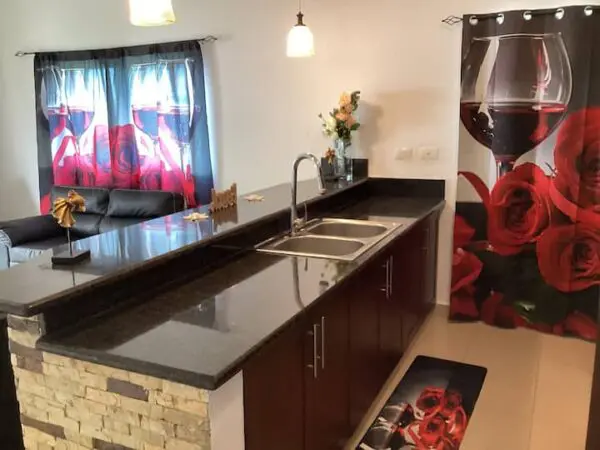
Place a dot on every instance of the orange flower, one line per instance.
(350, 121)
(345, 99)
(342, 116)
(349, 108)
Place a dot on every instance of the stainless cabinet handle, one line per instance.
(314, 366)
(323, 342)
(391, 275)
(386, 289)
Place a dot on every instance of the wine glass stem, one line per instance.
(503, 167)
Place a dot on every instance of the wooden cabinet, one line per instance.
(417, 274)
(296, 389)
(391, 311)
(365, 293)
(310, 387)
(274, 393)
(326, 373)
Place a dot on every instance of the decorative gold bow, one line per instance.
(63, 209)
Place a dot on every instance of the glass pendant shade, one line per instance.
(300, 41)
(151, 13)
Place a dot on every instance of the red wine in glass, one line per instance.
(146, 119)
(57, 120)
(511, 129)
(177, 119)
(80, 120)
(514, 92)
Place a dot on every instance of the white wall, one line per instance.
(396, 51)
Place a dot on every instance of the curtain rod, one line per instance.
(527, 15)
(205, 40)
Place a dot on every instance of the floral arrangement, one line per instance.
(340, 122)
(537, 261)
(437, 421)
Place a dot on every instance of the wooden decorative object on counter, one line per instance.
(62, 211)
(223, 199)
(229, 215)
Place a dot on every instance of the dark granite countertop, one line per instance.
(30, 288)
(201, 332)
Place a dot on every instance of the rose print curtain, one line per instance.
(527, 227)
(132, 118)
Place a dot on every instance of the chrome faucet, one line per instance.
(296, 223)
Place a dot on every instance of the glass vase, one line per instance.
(343, 161)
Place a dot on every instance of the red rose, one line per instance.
(462, 304)
(124, 157)
(65, 173)
(466, 268)
(151, 169)
(430, 400)
(450, 402)
(495, 312)
(457, 425)
(581, 325)
(463, 232)
(519, 209)
(577, 160)
(432, 432)
(569, 257)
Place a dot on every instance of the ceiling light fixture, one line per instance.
(151, 13)
(300, 40)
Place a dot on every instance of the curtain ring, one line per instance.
(560, 13)
(500, 18)
(527, 15)
(588, 11)
(473, 20)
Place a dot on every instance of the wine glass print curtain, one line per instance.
(527, 226)
(132, 118)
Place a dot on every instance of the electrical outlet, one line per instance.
(429, 153)
(404, 154)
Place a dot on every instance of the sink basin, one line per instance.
(339, 239)
(346, 228)
(317, 245)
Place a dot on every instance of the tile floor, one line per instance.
(537, 391)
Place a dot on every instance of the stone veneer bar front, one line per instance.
(69, 404)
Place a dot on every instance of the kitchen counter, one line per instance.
(200, 333)
(34, 287)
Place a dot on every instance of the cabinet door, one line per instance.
(327, 388)
(408, 278)
(391, 309)
(430, 262)
(274, 394)
(366, 294)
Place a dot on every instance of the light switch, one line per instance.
(428, 153)
(404, 154)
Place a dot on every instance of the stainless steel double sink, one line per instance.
(339, 239)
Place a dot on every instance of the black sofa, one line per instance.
(106, 210)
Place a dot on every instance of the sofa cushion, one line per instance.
(86, 225)
(143, 204)
(31, 250)
(96, 199)
(35, 228)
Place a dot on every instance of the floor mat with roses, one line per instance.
(430, 408)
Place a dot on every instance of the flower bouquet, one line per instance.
(339, 125)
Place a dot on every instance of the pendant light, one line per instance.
(151, 13)
(300, 41)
